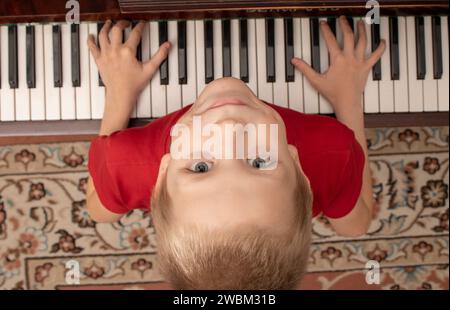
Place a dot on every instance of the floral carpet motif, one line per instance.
(44, 224)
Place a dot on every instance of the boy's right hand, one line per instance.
(123, 75)
(344, 82)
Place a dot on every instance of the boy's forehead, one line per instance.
(234, 182)
(254, 205)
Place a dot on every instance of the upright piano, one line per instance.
(50, 85)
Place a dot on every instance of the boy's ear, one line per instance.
(294, 153)
(163, 165)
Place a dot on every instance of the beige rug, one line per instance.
(43, 222)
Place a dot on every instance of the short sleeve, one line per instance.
(124, 165)
(347, 183)
(104, 183)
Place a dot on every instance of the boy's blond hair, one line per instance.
(193, 257)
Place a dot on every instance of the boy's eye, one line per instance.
(259, 163)
(200, 167)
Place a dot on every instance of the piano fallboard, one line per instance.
(14, 11)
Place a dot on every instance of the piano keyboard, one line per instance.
(47, 73)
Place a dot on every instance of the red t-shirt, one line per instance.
(124, 165)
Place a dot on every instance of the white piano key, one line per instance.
(235, 70)
(144, 101)
(371, 92)
(174, 88)
(415, 86)
(280, 88)
(386, 90)
(310, 95)
(200, 50)
(67, 90)
(158, 91)
(324, 106)
(83, 93)
(295, 88)
(37, 94)
(443, 82)
(401, 95)
(7, 96)
(22, 92)
(52, 94)
(126, 34)
(189, 90)
(430, 86)
(97, 92)
(218, 60)
(252, 57)
(265, 89)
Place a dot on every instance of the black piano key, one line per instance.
(226, 47)
(331, 21)
(99, 27)
(270, 50)
(315, 43)
(13, 64)
(394, 48)
(57, 57)
(375, 35)
(351, 23)
(243, 50)
(209, 51)
(75, 54)
(164, 68)
(182, 53)
(289, 49)
(31, 59)
(139, 47)
(437, 46)
(420, 48)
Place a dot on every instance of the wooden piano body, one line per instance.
(45, 12)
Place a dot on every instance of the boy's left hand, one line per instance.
(344, 82)
(123, 75)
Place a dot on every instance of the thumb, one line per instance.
(312, 75)
(157, 59)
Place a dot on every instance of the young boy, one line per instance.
(229, 223)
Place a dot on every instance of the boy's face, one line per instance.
(223, 192)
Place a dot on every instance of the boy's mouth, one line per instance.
(225, 101)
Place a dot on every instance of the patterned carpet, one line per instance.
(43, 222)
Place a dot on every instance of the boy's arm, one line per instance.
(343, 85)
(112, 121)
(357, 222)
(124, 78)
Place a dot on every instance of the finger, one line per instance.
(134, 38)
(153, 63)
(103, 38)
(117, 32)
(362, 40)
(93, 47)
(312, 75)
(376, 55)
(349, 38)
(330, 39)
